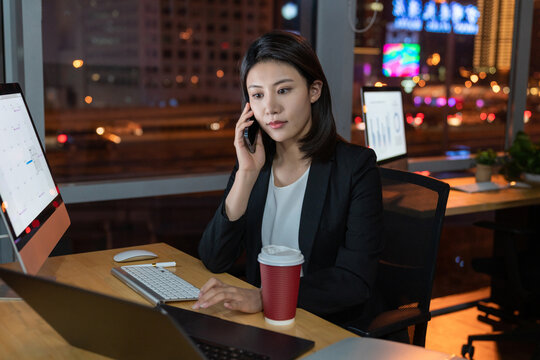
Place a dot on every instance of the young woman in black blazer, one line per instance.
(339, 214)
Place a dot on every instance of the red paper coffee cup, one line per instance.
(280, 278)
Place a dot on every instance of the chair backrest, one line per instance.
(414, 206)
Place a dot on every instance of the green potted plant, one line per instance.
(523, 160)
(485, 159)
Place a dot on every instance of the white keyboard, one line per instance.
(156, 284)
(480, 186)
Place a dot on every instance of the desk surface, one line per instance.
(460, 202)
(24, 335)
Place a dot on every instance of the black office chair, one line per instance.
(514, 304)
(414, 208)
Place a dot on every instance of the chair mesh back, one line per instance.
(413, 212)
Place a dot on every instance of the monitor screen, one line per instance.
(401, 60)
(31, 206)
(385, 123)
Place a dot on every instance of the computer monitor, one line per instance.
(32, 209)
(384, 121)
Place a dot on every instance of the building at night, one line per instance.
(151, 54)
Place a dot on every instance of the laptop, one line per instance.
(382, 109)
(125, 330)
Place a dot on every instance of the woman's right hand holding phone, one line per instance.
(247, 160)
(249, 166)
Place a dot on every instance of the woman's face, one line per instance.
(281, 100)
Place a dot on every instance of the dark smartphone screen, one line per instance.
(250, 134)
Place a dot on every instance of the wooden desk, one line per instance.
(24, 335)
(460, 202)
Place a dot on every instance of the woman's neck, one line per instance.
(289, 164)
(289, 154)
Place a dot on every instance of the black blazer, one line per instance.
(339, 236)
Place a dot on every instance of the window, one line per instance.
(111, 86)
(451, 59)
(94, 71)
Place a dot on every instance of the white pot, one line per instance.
(483, 172)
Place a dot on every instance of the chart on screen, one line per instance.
(25, 180)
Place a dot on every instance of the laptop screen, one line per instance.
(385, 124)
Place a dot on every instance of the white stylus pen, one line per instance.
(159, 264)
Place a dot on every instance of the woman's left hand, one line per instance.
(233, 298)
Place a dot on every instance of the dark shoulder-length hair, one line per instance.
(282, 46)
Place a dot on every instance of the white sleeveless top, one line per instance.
(281, 219)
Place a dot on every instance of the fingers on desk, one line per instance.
(234, 298)
(212, 283)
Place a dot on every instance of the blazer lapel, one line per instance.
(256, 206)
(314, 199)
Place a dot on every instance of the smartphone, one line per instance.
(250, 135)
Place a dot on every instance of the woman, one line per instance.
(303, 187)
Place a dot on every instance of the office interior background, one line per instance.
(136, 100)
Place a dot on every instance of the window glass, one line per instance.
(452, 61)
(148, 87)
(532, 112)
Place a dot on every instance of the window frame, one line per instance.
(519, 73)
(2, 50)
(24, 55)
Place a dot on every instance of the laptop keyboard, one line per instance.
(214, 351)
(156, 284)
(240, 340)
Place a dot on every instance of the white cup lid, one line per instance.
(278, 255)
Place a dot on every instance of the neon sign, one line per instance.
(402, 60)
(415, 15)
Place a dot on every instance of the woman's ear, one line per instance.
(315, 91)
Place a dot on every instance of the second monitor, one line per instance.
(382, 109)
